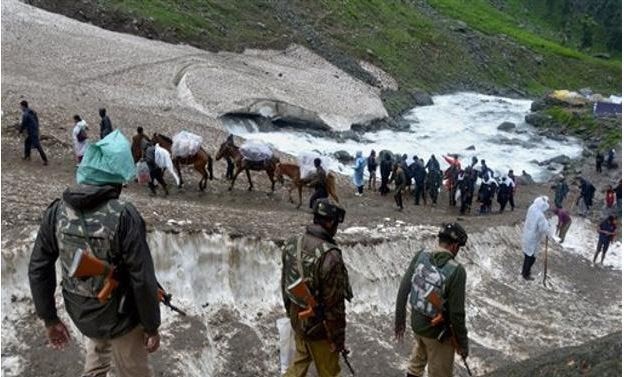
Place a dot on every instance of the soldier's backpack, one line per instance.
(429, 278)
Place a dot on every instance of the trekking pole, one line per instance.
(545, 262)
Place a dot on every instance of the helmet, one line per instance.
(324, 208)
(453, 232)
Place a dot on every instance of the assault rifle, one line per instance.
(86, 265)
(300, 290)
(439, 319)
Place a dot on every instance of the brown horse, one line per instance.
(201, 161)
(228, 149)
(293, 172)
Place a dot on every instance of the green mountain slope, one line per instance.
(436, 45)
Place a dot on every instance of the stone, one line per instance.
(561, 159)
(538, 119)
(421, 98)
(506, 126)
(538, 105)
(471, 148)
(343, 156)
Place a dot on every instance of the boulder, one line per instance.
(538, 105)
(506, 126)
(343, 156)
(471, 148)
(421, 98)
(561, 159)
(538, 119)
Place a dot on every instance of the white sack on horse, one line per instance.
(254, 150)
(185, 144)
(163, 160)
(306, 163)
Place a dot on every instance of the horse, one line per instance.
(201, 161)
(228, 149)
(293, 172)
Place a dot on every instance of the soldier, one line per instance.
(315, 258)
(91, 217)
(400, 181)
(435, 272)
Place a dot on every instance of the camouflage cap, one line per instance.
(324, 208)
(454, 233)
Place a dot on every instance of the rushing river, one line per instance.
(463, 123)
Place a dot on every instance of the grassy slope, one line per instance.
(418, 51)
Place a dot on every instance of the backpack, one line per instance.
(429, 278)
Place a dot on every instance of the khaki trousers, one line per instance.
(128, 351)
(325, 361)
(429, 352)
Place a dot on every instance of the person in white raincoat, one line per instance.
(163, 160)
(536, 228)
(79, 137)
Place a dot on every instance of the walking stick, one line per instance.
(545, 262)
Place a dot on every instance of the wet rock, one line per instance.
(561, 159)
(538, 119)
(538, 105)
(506, 126)
(343, 156)
(471, 148)
(421, 98)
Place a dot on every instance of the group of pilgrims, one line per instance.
(424, 181)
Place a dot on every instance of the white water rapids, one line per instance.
(230, 288)
(452, 124)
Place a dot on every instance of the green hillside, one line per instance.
(511, 47)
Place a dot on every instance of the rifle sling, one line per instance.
(85, 230)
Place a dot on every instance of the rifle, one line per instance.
(165, 298)
(86, 265)
(439, 319)
(300, 290)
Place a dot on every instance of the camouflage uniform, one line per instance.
(116, 234)
(328, 280)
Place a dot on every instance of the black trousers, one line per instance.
(419, 192)
(157, 174)
(511, 202)
(229, 172)
(319, 193)
(526, 267)
(466, 203)
(398, 197)
(30, 143)
(384, 185)
(433, 194)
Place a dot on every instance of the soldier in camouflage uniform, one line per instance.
(435, 271)
(315, 257)
(92, 217)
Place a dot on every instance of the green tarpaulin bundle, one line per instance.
(109, 161)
